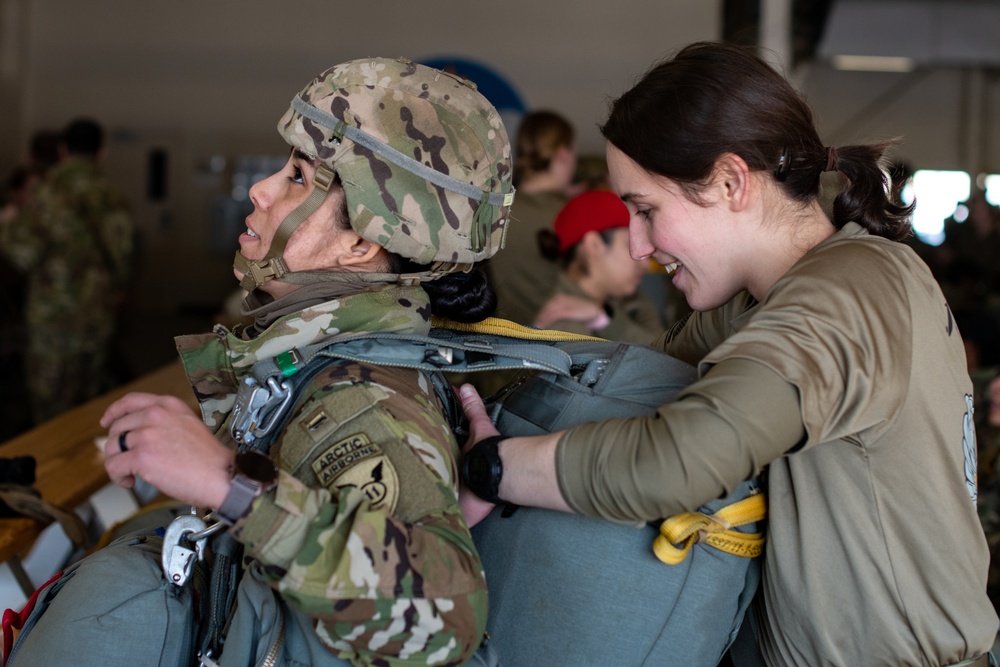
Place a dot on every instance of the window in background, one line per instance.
(991, 184)
(938, 195)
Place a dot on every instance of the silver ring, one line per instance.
(121, 441)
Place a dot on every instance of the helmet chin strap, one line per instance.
(256, 272)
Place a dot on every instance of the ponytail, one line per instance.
(871, 198)
(710, 99)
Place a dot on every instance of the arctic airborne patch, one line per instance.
(342, 455)
(359, 462)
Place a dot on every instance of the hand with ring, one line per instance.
(160, 439)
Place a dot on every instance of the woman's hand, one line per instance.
(473, 507)
(168, 446)
(569, 307)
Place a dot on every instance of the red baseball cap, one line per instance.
(592, 211)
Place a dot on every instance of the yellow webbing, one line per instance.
(691, 528)
(496, 326)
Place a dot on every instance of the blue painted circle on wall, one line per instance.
(490, 83)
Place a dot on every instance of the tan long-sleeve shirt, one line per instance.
(875, 553)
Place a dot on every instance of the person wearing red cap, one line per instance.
(590, 239)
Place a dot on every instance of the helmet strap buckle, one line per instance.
(259, 271)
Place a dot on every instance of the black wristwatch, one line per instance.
(482, 469)
(254, 474)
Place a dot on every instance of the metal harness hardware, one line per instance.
(258, 407)
(178, 560)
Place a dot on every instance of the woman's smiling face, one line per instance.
(696, 243)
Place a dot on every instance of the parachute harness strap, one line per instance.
(272, 266)
(715, 530)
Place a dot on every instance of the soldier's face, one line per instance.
(311, 246)
(611, 268)
(699, 245)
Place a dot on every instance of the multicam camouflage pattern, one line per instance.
(433, 117)
(74, 243)
(215, 370)
(364, 533)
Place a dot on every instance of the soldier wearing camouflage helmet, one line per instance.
(424, 167)
(398, 183)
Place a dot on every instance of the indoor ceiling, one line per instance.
(741, 19)
(923, 32)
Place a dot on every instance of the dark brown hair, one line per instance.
(463, 297)
(715, 98)
(549, 246)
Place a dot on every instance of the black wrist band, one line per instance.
(482, 469)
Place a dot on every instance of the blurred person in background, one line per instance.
(544, 166)
(590, 241)
(72, 238)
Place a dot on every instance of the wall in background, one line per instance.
(189, 88)
(200, 84)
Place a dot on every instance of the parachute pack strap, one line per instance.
(342, 130)
(495, 326)
(715, 530)
(224, 580)
(26, 501)
(456, 353)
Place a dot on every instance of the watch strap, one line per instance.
(482, 469)
(254, 475)
(239, 499)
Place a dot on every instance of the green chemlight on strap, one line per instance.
(288, 362)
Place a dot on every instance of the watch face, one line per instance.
(479, 469)
(482, 469)
(256, 466)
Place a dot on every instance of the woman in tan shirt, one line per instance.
(827, 356)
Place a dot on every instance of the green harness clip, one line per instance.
(288, 362)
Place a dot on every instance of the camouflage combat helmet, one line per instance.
(422, 156)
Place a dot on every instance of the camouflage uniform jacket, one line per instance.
(74, 242)
(363, 533)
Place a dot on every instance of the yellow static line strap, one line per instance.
(496, 326)
(715, 530)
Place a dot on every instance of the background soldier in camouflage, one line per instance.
(74, 242)
(397, 184)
